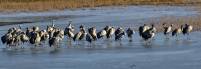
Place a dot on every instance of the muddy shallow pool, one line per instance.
(160, 53)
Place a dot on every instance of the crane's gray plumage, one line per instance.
(187, 29)
(89, 38)
(5, 38)
(69, 27)
(119, 33)
(153, 28)
(92, 32)
(177, 31)
(58, 36)
(24, 38)
(130, 33)
(81, 34)
(148, 33)
(77, 36)
(107, 28)
(35, 38)
(110, 32)
(101, 34)
(167, 29)
(142, 29)
(54, 41)
(44, 35)
(69, 30)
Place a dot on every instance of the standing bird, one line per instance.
(130, 33)
(110, 32)
(8, 38)
(35, 38)
(101, 34)
(167, 29)
(61, 34)
(177, 31)
(81, 34)
(69, 30)
(142, 29)
(77, 36)
(44, 35)
(28, 32)
(153, 28)
(82, 29)
(50, 28)
(69, 27)
(89, 38)
(5, 38)
(16, 37)
(187, 29)
(148, 32)
(50, 31)
(119, 33)
(54, 42)
(24, 38)
(69, 33)
(92, 32)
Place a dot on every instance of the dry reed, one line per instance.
(44, 5)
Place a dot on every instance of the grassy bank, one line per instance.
(44, 5)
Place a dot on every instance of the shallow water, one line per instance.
(160, 53)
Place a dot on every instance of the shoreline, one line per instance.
(176, 21)
(48, 5)
(193, 20)
(94, 8)
(83, 8)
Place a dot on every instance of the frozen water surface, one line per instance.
(160, 53)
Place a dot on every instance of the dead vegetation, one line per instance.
(44, 5)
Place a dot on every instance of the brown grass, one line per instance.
(43, 5)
